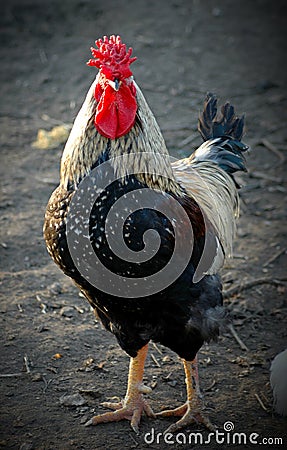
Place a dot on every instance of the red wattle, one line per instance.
(116, 111)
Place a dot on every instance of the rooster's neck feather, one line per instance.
(148, 155)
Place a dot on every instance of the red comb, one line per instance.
(112, 57)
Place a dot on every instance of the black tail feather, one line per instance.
(211, 126)
(205, 121)
(222, 134)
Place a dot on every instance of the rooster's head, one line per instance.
(115, 92)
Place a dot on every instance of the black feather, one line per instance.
(205, 122)
(222, 134)
(212, 126)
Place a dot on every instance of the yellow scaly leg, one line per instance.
(133, 405)
(191, 411)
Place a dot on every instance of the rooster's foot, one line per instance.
(189, 414)
(130, 409)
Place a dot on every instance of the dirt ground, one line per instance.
(51, 346)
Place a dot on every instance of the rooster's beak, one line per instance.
(115, 84)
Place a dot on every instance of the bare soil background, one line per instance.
(50, 343)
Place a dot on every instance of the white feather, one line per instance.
(216, 194)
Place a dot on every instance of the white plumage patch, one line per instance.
(216, 194)
(218, 260)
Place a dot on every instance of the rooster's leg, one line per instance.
(191, 411)
(134, 404)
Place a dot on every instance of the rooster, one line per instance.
(117, 145)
